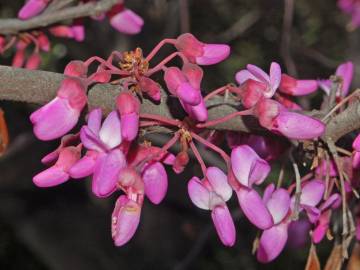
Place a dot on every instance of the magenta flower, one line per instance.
(322, 224)
(127, 22)
(273, 240)
(32, 8)
(201, 53)
(180, 86)
(276, 118)
(194, 75)
(212, 193)
(105, 160)
(356, 155)
(294, 87)
(271, 81)
(266, 147)
(150, 87)
(351, 7)
(124, 220)
(129, 109)
(60, 115)
(346, 72)
(59, 172)
(248, 169)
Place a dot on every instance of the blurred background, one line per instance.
(66, 227)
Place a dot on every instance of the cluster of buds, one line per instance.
(122, 19)
(112, 153)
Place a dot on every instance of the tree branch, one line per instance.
(35, 86)
(13, 26)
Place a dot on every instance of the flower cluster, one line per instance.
(121, 18)
(111, 152)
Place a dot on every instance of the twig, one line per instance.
(286, 37)
(295, 214)
(13, 26)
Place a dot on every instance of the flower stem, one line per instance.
(224, 119)
(158, 47)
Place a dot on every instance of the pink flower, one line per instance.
(356, 155)
(273, 240)
(322, 224)
(249, 169)
(273, 116)
(294, 87)
(346, 72)
(127, 22)
(212, 193)
(59, 172)
(32, 8)
(201, 53)
(179, 85)
(124, 220)
(351, 7)
(105, 159)
(60, 115)
(266, 147)
(129, 109)
(150, 87)
(194, 74)
(255, 73)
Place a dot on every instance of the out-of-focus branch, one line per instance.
(40, 87)
(286, 37)
(13, 26)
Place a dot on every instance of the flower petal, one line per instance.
(94, 120)
(54, 119)
(258, 73)
(84, 166)
(106, 173)
(279, 204)
(254, 208)
(312, 192)
(219, 183)
(124, 220)
(244, 75)
(272, 242)
(127, 22)
(91, 141)
(110, 132)
(155, 181)
(346, 71)
(199, 195)
(52, 176)
(224, 225)
(275, 77)
(213, 54)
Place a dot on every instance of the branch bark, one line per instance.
(13, 26)
(39, 87)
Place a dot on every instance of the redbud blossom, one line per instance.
(124, 220)
(127, 22)
(59, 172)
(201, 53)
(129, 108)
(60, 115)
(180, 86)
(32, 8)
(294, 87)
(212, 193)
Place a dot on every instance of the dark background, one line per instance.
(66, 227)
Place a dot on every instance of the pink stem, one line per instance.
(149, 123)
(211, 146)
(158, 47)
(215, 92)
(161, 119)
(164, 62)
(199, 158)
(111, 57)
(101, 61)
(224, 119)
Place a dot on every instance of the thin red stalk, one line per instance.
(224, 119)
(149, 123)
(161, 119)
(215, 92)
(158, 47)
(198, 157)
(101, 61)
(164, 62)
(211, 146)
